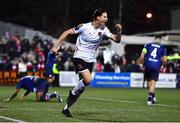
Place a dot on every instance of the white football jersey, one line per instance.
(88, 40)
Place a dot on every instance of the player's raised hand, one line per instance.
(142, 67)
(54, 50)
(6, 100)
(118, 27)
(163, 69)
(21, 97)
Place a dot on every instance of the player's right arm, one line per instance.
(63, 36)
(12, 96)
(25, 94)
(164, 60)
(143, 53)
(141, 58)
(117, 37)
(37, 99)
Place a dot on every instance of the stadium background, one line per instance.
(28, 29)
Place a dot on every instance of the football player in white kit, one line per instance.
(90, 35)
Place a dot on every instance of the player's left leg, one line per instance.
(153, 77)
(149, 100)
(41, 96)
(151, 84)
(54, 95)
(75, 93)
(84, 69)
(152, 91)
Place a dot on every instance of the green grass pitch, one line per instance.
(95, 105)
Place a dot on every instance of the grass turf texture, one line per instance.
(95, 105)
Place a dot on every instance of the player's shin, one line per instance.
(45, 97)
(73, 98)
(70, 101)
(54, 95)
(78, 87)
(42, 98)
(150, 96)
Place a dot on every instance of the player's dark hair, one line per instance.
(46, 75)
(158, 36)
(98, 12)
(20, 75)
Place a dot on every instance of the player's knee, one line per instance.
(42, 98)
(86, 81)
(82, 90)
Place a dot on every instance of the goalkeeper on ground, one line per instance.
(38, 85)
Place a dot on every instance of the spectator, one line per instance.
(22, 67)
(99, 67)
(117, 68)
(134, 66)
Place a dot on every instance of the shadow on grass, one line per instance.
(94, 117)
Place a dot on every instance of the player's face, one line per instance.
(102, 19)
(159, 40)
(50, 80)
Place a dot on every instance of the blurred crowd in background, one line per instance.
(20, 54)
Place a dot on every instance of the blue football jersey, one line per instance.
(153, 55)
(28, 83)
(42, 85)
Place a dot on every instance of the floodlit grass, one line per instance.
(95, 105)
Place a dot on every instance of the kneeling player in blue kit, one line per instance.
(38, 85)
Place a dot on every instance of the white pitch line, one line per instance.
(170, 106)
(12, 119)
(111, 100)
(27, 109)
(123, 101)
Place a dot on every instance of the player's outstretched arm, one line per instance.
(12, 96)
(117, 37)
(37, 99)
(24, 95)
(64, 36)
(164, 59)
(141, 60)
(6, 100)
